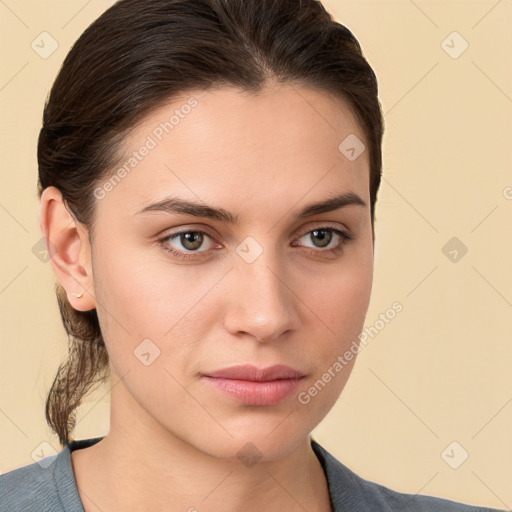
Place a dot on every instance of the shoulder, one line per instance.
(349, 492)
(47, 485)
(30, 487)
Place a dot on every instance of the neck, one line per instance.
(142, 466)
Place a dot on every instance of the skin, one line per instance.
(173, 440)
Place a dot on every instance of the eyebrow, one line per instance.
(176, 205)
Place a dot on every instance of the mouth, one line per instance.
(257, 387)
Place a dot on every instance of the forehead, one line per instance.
(213, 144)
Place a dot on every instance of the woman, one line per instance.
(208, 174)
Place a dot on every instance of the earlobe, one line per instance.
(69, 249)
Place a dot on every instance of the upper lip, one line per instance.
(252, 373)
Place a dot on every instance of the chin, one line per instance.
(255, 446)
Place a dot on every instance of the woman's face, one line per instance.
(255, 284)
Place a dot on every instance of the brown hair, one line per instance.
(137, 56)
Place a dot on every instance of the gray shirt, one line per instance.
(49, 485)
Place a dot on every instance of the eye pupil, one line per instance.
(324, 235)
(191, 240)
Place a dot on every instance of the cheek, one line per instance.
(140, 292)
(340, 296)
(159, 302)
(341, 312)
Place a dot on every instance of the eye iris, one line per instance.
(324, 235)
(191, 240)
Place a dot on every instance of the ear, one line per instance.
(69, 249)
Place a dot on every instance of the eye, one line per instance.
(186, 243)
(326, 239)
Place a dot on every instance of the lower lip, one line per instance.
(255, 393)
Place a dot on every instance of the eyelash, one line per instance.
(345, 237)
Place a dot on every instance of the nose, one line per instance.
(261, 300)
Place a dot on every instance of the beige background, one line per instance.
(440, 370)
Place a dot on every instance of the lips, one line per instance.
(252, 373)
(253, 386)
